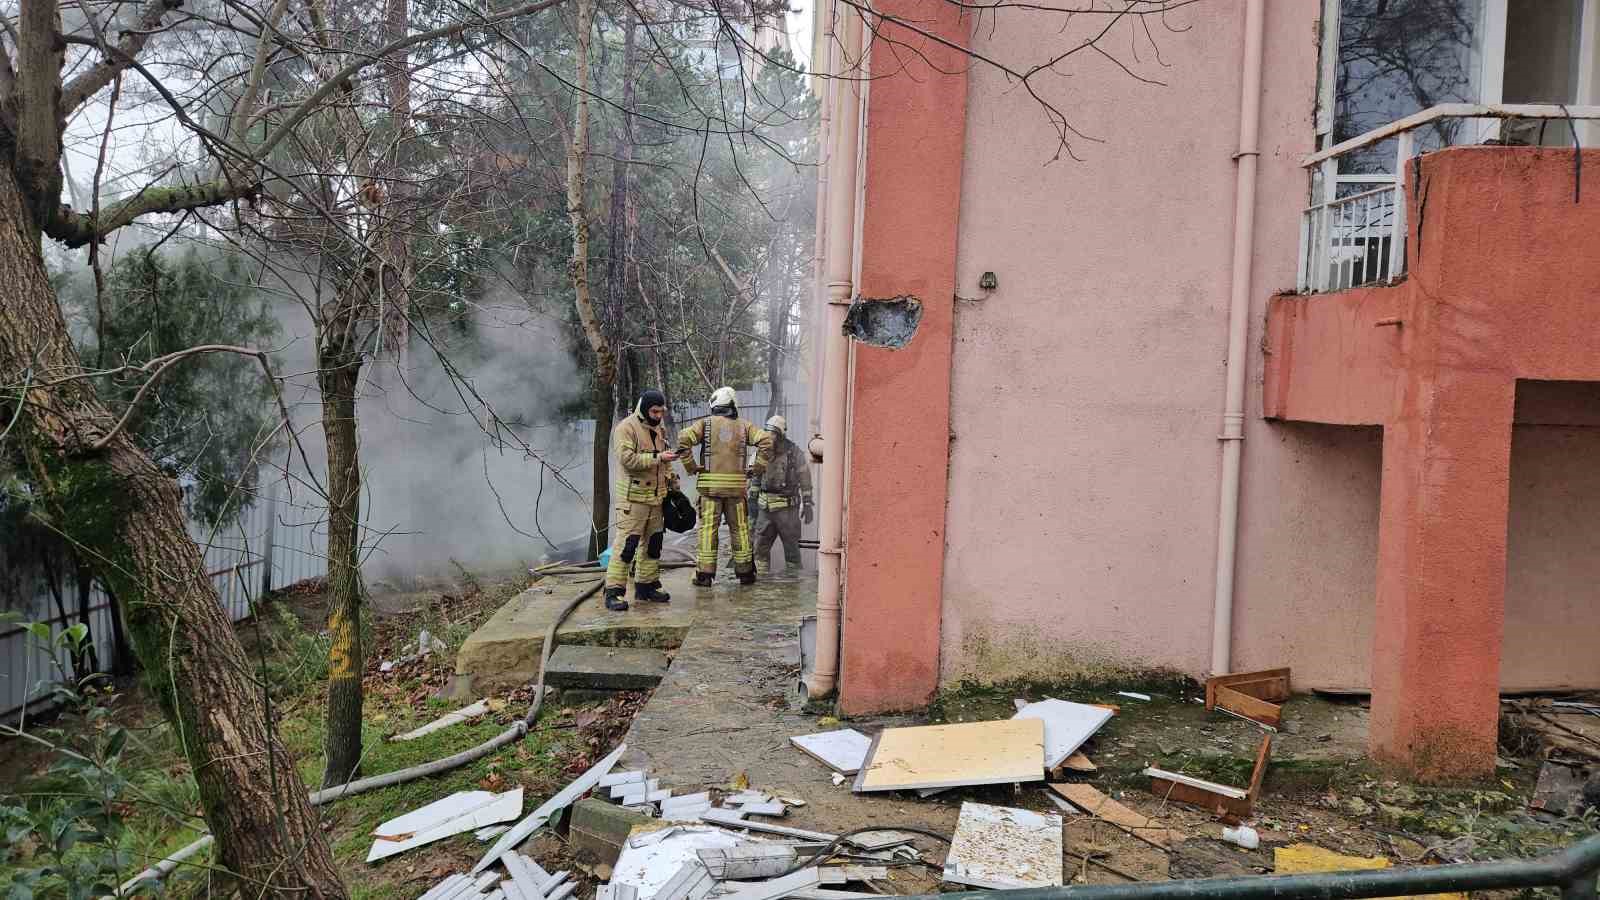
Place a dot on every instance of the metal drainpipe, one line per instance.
(1244, 209)
(842, 175)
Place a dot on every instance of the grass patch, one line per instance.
(161, 811)
(975, 702)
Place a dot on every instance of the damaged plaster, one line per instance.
(890, 323)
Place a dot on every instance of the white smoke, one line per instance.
(445, 438)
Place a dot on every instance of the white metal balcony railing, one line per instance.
(1360, 239)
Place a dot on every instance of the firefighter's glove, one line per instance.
(807, 511)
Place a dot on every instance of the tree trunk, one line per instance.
(338, 371)
(119, 507)
(605, 358)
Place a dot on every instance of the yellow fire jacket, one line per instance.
(639, 445)
(721, 443)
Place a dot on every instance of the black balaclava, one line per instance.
(647, 398)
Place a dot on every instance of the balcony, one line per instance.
(1359, 238)
(1493, 325)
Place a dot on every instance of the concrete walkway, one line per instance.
(731, 701)
(504, 651)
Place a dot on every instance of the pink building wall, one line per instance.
(1087, 389)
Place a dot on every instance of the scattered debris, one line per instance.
(1067, 726)
(1218, 798)
(649, 868)
(540, 816)
(485, 835)
(999, 847)
(937, 756)
(1077, 762)
(843, 750)
(616, 778)
(1091, 801)
(464, 714)
(733, 819)
(1253, 696)
(767, 808)
(1244, 836)
(745, 862)
(452, 815)
(1134, 695)
(1559, 790)
(777, 888)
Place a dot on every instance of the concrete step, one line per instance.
(606, 668)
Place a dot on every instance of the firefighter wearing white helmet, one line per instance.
(785, 498)
(722, 441)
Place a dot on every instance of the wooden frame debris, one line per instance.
(1255, 696)
(1221, 799)
(1092, 801)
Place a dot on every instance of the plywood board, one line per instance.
(1091, 801)
(1067, 726)
(841, 750)
(1268, 715)
(1269, 684)
(999, 847)
(954, 755)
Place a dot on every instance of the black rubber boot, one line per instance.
(747, 577)
(651, 593)
(614, 601)
(703, 579)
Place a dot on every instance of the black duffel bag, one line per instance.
(678, 512)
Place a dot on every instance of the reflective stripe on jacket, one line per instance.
(721, 443)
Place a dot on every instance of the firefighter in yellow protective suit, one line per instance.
(640, 442)
(721, 440)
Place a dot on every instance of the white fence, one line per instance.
(273, 543)
(1349, 241)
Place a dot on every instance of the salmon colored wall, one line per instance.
(900, 400)
(1500, 288)
(1088, 389)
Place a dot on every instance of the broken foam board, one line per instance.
(842, 751)
(936, 756)
(560, 801)
(465, 714)
(1067, 726)
(1001, 848)
(453, 815)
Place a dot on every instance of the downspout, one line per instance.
(842, 175)
(819, 290)
(1232, 437)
